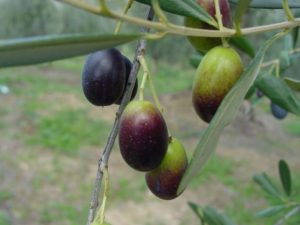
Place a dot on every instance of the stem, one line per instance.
(219, 17)
(161, 16)
(119, 23)
(288, 215)
(145, 75)
(149, 78)
(287, 10)
(103, 161)
(181, 30)
(274, 63)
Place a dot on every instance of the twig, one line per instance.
(288, 215)
(103, 162)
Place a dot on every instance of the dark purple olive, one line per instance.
(143, 136)
(103, 78)
(128, 66)
(278, 112)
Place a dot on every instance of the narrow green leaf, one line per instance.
(271, 211)
(285, 177)
(292, 83)
(185, 8)
(285, 60)
(279, 92)
(26, 51)
(266, 184)
(224, 115)
(195, 209)
(241, 9)
(269, 4)
(195, 60)
(295, 34)
(210, 216)
(243, 44)
(213, 217)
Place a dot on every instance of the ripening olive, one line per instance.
(143, 135)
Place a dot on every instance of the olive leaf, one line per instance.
(285, 177)
(269, 4)
(185, 8)
(270, 211)
(195, 60)
(266, 184)
(27, 51)
(224, 115)
(279, 92)
(243, 44)
(292, 83)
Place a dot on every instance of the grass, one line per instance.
(62, 214)
(68, 130)
(218, 168)
(293, 127)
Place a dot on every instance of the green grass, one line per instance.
(293, 127)
(74, 65)
(173, 79)
(126, 186)
(59, 213)
(4, 218)
(67, 131)
(218, 168)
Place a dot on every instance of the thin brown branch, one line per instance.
(103, 162)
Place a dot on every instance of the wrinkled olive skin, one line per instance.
(164, 180)
(143, 136)
(128, 66)
(103, 78)
(218, 71)
(278, 112)
(204, 44)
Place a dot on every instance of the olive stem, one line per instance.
(161, 16)
(181, 30)
(120, 22)
(274, 63)
(152, 87)
(287, 10)
(145, 76)
(219, 17)
(103, 161)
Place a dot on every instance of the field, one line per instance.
(51, 139)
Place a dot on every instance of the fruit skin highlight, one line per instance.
(143, 136)
(164, 180)
(204, 44)
(128, 66)
(218, 71)
(103, 78)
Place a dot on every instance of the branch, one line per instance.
(288, 215)
(103, 162)
(181, 30)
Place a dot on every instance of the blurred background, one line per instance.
(51, 137)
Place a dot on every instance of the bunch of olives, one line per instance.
(146, 146)
(143, 136)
